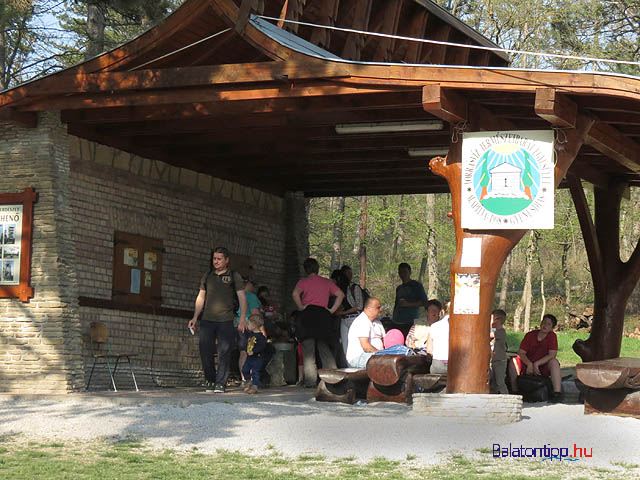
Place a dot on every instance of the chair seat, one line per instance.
(115, 355)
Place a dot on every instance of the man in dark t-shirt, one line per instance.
(410, 296)
(216, 300)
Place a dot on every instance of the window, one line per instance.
(137, 269)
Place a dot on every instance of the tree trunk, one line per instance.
(504, 287)
(613, 280)
(432, 250)
(95, 29)
(542, 296)
(527, 294)
(338, 224)
(362, 236)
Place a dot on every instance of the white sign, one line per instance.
(471, 252)
(507, 180)
(10, 243)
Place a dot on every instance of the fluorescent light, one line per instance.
(389, 127)
(427, 151)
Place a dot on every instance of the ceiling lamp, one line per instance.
(428, 151)
(389, 127)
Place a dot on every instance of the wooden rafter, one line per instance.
(555, 108)
(327, 16)
(24, 119)
(609, 141)
(361, 12)
(390, 18)
(416, 30)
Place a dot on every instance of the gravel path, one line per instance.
(309, 427)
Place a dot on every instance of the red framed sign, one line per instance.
(16, 225)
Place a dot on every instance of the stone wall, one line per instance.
(40, 341)
(192, 213)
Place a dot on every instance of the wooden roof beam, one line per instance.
(23, 119)
(452, 107)
(198, 95)
(174, 78)
(610, 142)
(406, 100)
(556, 108)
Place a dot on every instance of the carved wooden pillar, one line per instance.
(468, 370)
(468, 366)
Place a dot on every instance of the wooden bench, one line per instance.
(613, 386)
(429, 382)
(343, 385)
(392, 377)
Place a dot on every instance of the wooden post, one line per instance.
(468, 368)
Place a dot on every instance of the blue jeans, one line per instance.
(396, 350)
(251, 369)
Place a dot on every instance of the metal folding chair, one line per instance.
(99, 339)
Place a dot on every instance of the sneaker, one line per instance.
(219, 388)
(209, 387)
(252, 389)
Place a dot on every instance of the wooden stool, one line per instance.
(343, 385)
(392, 377)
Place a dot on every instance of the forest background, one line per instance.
(546, 272)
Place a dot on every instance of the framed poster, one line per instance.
(16, 223)
(508, 180)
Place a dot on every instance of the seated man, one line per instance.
(537, 356)
(366, 335)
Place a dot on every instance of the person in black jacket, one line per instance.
(256, 346)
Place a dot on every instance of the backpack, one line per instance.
(236, 301)
(365, 293)
(535, 388)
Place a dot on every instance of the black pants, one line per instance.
(225, 333)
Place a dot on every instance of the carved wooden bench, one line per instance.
(392, 377)
(342, 385)
(429, 382)
(613, 386)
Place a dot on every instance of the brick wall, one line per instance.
(192, 213)
(88, 191)
(40, 341)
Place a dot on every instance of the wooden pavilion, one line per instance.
(288, 105)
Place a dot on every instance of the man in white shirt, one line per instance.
(439, 345)
(366, 335)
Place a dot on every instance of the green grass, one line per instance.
(566, 355)
(134, 460)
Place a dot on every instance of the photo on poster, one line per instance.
(9, 234)
(9, 272)
(131, 257)
(467, 294)
(11, 252)
(1, 233)
(147, 279)
(150, 261)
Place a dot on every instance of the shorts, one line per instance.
(242, 339)
(544, 369)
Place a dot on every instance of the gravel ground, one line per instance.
(309, 427)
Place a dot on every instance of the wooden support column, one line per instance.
(468, 366)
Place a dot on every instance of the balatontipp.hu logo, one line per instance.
(546, 452)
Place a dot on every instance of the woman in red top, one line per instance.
(537, 355)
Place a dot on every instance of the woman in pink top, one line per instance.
(315, 327)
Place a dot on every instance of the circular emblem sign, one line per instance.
(507, 180)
